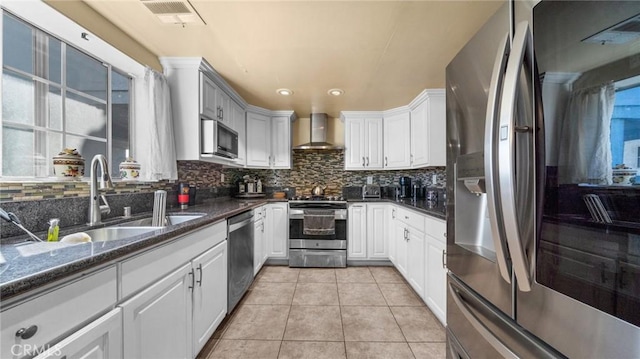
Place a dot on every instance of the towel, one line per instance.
(318, 222)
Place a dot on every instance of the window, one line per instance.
(56, 96)
(625, 127)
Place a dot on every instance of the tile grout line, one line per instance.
(288, 313)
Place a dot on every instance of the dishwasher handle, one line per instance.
(240, 221)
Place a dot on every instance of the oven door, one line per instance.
(297, 230)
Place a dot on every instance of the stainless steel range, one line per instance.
(317, 232)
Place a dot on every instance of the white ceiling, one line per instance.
(381, 53)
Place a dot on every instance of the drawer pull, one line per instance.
(26, 333)
(199, 281)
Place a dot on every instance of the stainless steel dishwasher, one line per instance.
(240, 257)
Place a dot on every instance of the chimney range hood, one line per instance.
(318, 130)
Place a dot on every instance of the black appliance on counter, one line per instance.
(405, 187)
(318, 232)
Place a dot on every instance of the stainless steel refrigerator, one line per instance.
(543, 131)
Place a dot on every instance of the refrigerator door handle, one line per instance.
(522, 45)
(477, 324)
(490, 158)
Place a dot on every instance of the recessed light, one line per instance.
(335, 92)
(284, 92)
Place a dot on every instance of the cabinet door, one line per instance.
(391, 234)
(258, 246)
(354, 146)
(357, 243)
(437, 133)
(157, 322)
(208, 93)
(101, 339)
(277, 229)
(397, 144)
(377, 231)
(240, 126)
(258, 140)
(435, 288)
(401, 248)
(280, 142)
(374, 144)
(416, 260)
(419, 135)
(209, 294)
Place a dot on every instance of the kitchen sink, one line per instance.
(169, 221)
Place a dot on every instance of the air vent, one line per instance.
(174, 12)
(167, 7)
(618, 34)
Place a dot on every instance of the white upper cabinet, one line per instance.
(363, 140)
(258, 140)
(412, 136)
(208, 96)
(280, 142)
(268, 138)
(240, 125)
(428, 129)
(198, 92)
(397, 147)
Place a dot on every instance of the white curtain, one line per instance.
(154, 134)
(585, 142)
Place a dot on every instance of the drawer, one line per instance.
(57, 312)
(436, 228)
(152, 265)
(414, 219)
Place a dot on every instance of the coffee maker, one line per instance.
(405, 187)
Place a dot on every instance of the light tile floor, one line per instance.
(354, 312)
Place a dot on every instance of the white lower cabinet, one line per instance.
(56, 314)
(368, 231)
(209, 294)
(259, 244)
(157, 321)
(416, 260)
(436, 280)
(177, 314)
(276, 229)
(357, 227)
(100, 339)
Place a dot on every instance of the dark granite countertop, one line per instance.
(435, 209)
(31, 264)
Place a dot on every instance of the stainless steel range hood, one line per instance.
(318, 130)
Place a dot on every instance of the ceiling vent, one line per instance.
(174, 12)
(618, 34)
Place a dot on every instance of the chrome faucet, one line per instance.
(95, 208)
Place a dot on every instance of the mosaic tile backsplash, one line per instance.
(35, 202)
(322, 167)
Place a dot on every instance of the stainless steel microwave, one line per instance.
(218, 139)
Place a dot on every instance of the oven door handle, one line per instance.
(339, 214)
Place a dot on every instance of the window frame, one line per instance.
(44, 18)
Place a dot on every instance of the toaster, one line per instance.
(371, 191)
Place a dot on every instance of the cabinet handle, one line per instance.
(26, 333)
(386, 161)
(199, 281)
(393, 213)
(444, 234)
(367, 161)
(193, 279)
(405, 234)
(406, 217)
(410, 159)
(362, 161)
(222, 113)
(408, 236)
(444, 258)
